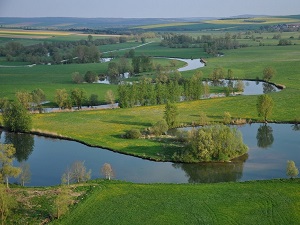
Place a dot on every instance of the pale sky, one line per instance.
(146, 9)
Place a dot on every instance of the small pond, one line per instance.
(270, 146)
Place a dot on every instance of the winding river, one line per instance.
(270, 146)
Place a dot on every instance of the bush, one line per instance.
(161, 127)
(133, 134)
(90, 77)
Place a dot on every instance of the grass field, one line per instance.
(258, 202)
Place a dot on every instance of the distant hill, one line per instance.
(90, 23)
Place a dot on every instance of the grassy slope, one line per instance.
(258, 202)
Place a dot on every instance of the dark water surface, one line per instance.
(270, 146)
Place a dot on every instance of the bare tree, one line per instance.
(110, 97)
(79, 173)
(25, 174)
(66, 177)
(107, 171)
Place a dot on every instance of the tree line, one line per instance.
(212, 45)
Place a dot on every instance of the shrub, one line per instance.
(161, 127)
(133, 134)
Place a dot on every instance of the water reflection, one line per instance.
(264, 136)
(268, 88)
(296, 127)
(214, 172)
(24, 144)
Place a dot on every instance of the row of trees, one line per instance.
(211, 44)
(146, 92)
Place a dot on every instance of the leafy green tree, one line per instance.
(265, 106)
(78, 95)
(113, 69)
(136, 64)
(227, 118)
(159, 128)
(240, 85)
(90, 77)
(170, 114)
(7, 169)
(62, 99)
(24, 98)
(7, 203)
(133, 134)
(16, 118)
(62, 202)
(107, 171)
(203, 119)
(268, 73)
(93, 100)
(291, 169)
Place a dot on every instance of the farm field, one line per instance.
(258, 202)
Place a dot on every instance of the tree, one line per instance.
(79, 173)
(62, 99)
(265, 106)
(16, 118)
(110, 97)
(78, 95)
(62, 202)
(113, 69)
(66, 177)
(38, 97)
(24, 98)
(7, 203)
(203, 119)
(25, 174)
(159, 128)
(240, 85)
(268, 73)
(93, 100)
(7, 169)
(227, 118)
(291, 169)
(107, 171)
(170, 114)
(90, 77)
(77, 77)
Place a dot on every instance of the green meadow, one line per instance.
(258, 202)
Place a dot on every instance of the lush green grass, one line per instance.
(257, 202)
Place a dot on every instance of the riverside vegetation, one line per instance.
(110, 126)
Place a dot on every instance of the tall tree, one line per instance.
(62, 99)
(16, 118)
(265, 106)
(291, 169)
(78, 95)
(110, 97)
(24, 98)
(107, 171)
(7, 169)
(170, 114)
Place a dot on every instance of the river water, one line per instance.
(270, 146)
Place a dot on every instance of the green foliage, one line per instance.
(7, 169)
(213, 143)
(227, 118)
(170, 114)
(159, 128)
(265, 106)
(291, 169)
(61, 203)
(7, 203)
(77, 77)
(268, 73)
(203, 119)
(63, 99)
(133, 134)
(78, 96)
(90, 77)
(16, 118)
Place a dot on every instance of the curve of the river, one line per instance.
(270, 146)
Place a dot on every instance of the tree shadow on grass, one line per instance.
(135, 123)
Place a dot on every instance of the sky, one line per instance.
(146, 9)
